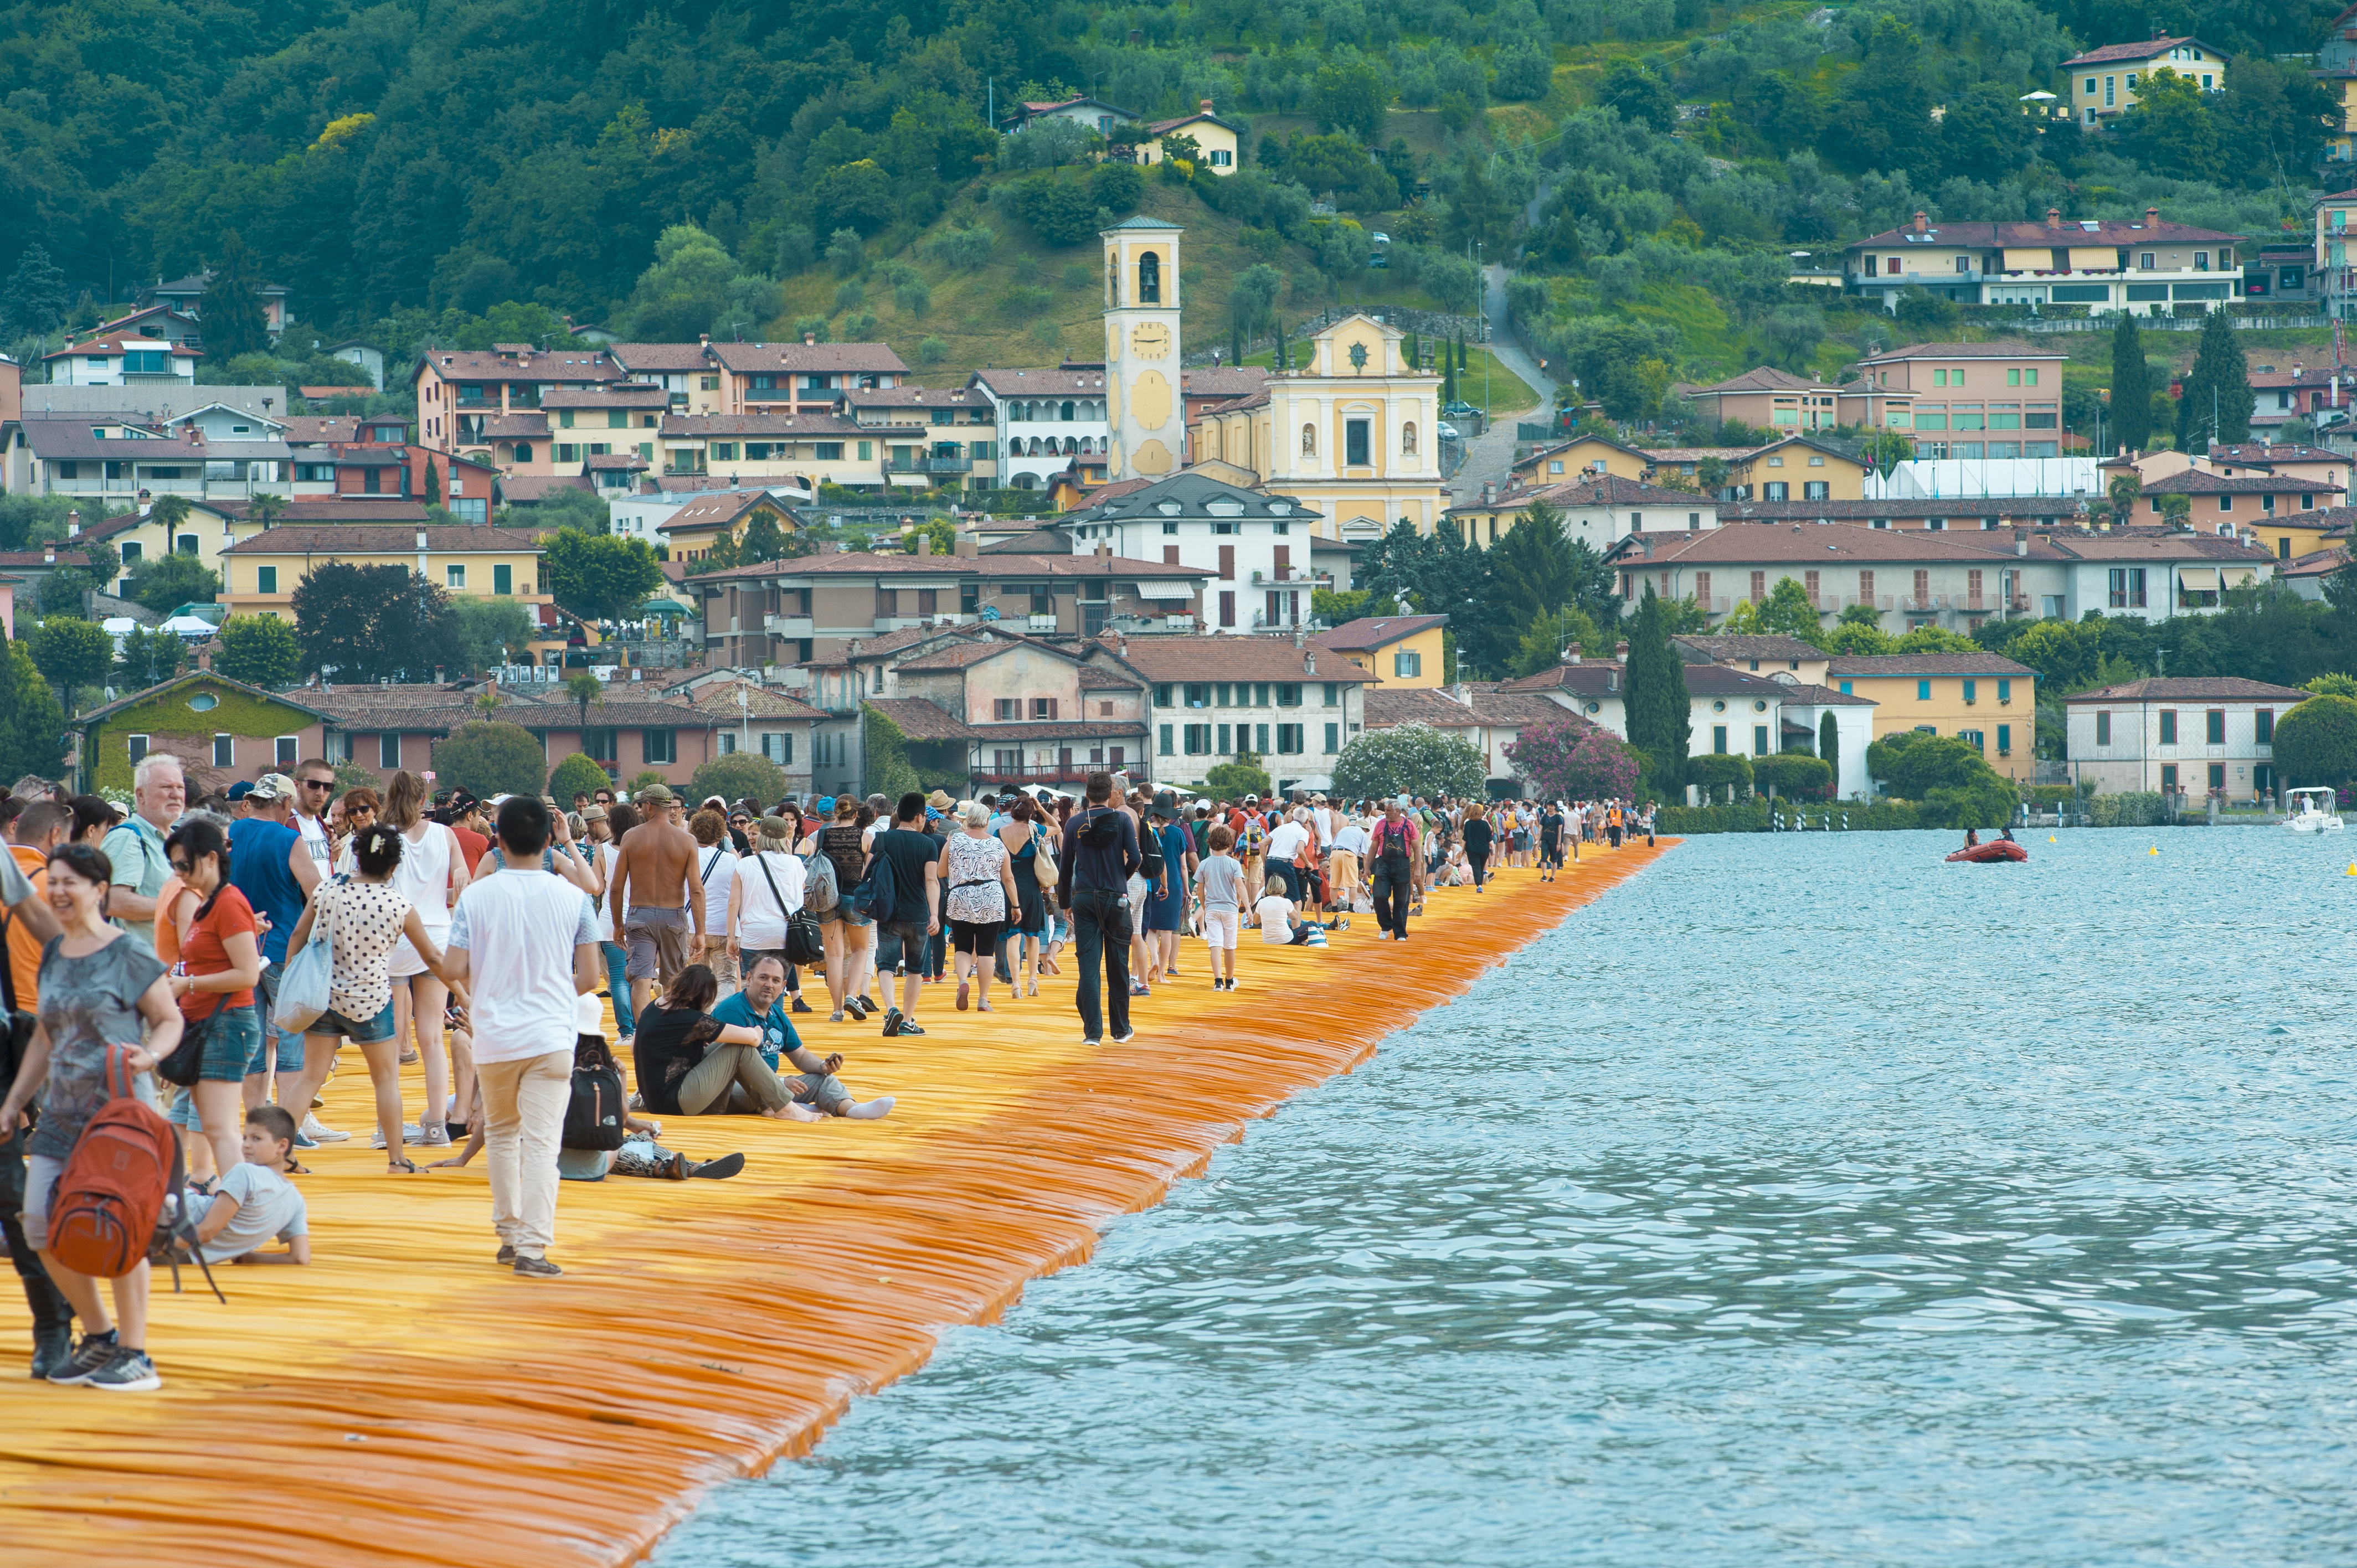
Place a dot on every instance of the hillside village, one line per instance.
(2055, 463)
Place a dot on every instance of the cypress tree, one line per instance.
(1660, 713)
(2130, 425)
(1280, 345)
(1829, 747)
(2216, 407)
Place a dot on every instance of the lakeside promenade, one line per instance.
(401, 1401)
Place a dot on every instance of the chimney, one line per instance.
(1104, 551)
(704, 339)
(1923, 224)
(205, 658)
(924, 544)
(1207, 107)
(2020, 543)
(48, 554)
(810, 339)
(1309, 662)
(1299, 635)
(967, 545)
(2151, 217)
(1489, 491)
(73, 523)
(1620, 653)
(421, 539)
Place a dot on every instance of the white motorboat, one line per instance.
(2310, 813)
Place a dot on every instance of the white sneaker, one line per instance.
(411, 1133)
(314, 1128)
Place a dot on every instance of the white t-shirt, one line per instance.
(717, 866)
(268, 1208)
(1324, 819)
(314, 839)
(519, 930)
(1286, 842)
(761, 923)
(1351, 839)
(1275, 920)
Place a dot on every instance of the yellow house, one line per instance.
(1350, 431)
(1399, 651)
(1797, 468)
(2103, 82)
(1582, 454)
(696, 528)
(210, 527)
(1213, 134)
(263, 571)
(1989, 702)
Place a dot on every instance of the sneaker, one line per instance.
(94, 1351)
(835, 1016)
(315, 1128)
(131, 1372)
(909, 1028)
(1091, 1042)
(803, 1006)
(506, 1254)
(721, 1169)
(1125, 1036)
(438, 1136)
(303, 1140)
(411, 1133)
(52, 1347)
(892, 1022)
(536, 1269)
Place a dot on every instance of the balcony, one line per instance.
(1925, 604)
(931, 468)
(795, 626)
(1075, 771)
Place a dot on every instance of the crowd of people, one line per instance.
(211, 958)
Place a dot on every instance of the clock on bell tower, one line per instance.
(1142, 349)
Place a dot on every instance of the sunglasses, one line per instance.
(182, 866)
(316, 783)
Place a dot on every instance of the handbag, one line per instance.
(303, 984)
(804, 944)
(1044, 869)
(186, 1063)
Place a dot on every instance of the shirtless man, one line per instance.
(656, 881)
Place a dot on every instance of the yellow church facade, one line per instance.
(1351, 430)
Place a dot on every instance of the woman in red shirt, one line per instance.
(220, 960)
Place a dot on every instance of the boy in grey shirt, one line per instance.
(1219, 882)
(255, 1203)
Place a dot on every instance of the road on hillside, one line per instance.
(1491, 455)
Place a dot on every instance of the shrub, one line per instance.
(962, 249)
(2315, 743)
(1795, 774)
(1716, 770)
(1233, 780)
(1408, 759)
(488, 757)
(741, 775)
(1573, 760)
(577, 773)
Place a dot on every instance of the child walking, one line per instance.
(1219, 882)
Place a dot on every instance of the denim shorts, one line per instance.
(265, 1002)
(842, 912)
(232, 1039)
(368, 1032)
(896, 942)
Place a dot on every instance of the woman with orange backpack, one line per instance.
(98, 986)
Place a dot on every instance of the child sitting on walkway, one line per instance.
(253, 1202)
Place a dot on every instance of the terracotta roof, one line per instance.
(618, 394)
(920, 720)
(1717, 680)
(895, 565)
(1764, 378)
(1420, 705)
(1717, 647)
(117, 342)
(721, 508)
(1224, 381)
(872, 649)
(1804, 693)
(2032, 236)
(1517, 708)
(808, 427)
(2257, 454)
(1369, 633)
(661, 356)
(965, 654)
(604, 461)
(1911, 664)
(1832, 543)
(340, 510)
(1974, 510)
(525, 490)
(515, 426)
(1179, 658)
(24, 558)
(2142, 49)
(2004, 349)
(53, 436)
(2194, 482)
(913, 397)
(800, 357)
(2190, 688)
(1097, 678)
(1046, 382)
(719, 700)
(2120, 545)
(313, 429)
(556, 365)
(1595, 490)
(1602, 678)
(381, 539)
(1727, 454)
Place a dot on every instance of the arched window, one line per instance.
(1071, 447)
(1407, 439)
(1309, 441)
(524, 452)
(1149, 279)
(1068, 413)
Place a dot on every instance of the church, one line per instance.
(1349, 429)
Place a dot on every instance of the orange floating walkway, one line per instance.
(403, 1401)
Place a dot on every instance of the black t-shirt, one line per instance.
(663, 1053)
(910, 854)
(1477, 837)
(1551, 825)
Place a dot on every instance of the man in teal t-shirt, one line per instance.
(761, 1006)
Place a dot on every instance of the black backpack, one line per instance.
(592, 1117)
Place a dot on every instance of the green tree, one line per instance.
(1787, 611)
(1793, 775)
(491, 632)
(586, 691)
(598, 576)
(1660, 713)
(578, 774)
(1549, 637)
(858, 196)
(487, 758)
(235, 321)
(1913, 763)
(164, 582)
(2171, 130)
(2130, 427)
(372, 623)
(433, 482)
(1409, 760)
(1829, 749)
(32, 725)
(2315, 743)
(35, 303)
(1641, 97)
(1241, 776)
(260, 651)
(2218, 400)
(147, 655)
(73, 653)
(2332, 686)
(939, 531)
(1351, 97)
(741, 775)
(1886, 119)
(884, 753)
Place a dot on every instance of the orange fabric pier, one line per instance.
(403, 1401)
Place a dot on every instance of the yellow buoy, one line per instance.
(2352, 869)
(2050, 838)
(2155, 850)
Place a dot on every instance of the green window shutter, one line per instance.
(265, 579)
(867, 451)
(565, 418)
(616, 419)
(504, 579)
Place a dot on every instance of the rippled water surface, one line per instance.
(1802, 1201)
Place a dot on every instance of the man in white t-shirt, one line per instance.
(1285, 841)
(314, 781)
(526, 942)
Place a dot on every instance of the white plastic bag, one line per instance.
(303, 985)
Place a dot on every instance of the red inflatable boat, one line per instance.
(1994, 850)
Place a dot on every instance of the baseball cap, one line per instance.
(823, 803)
(240, 791)
(655, 795)
(273, 787)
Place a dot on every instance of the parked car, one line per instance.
(1449, 432)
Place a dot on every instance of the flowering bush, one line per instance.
(1573, 760)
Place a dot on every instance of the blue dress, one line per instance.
(1167, 912)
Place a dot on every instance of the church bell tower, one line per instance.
(1148, 413)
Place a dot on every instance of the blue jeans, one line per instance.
(617, 957)
(265, 1002)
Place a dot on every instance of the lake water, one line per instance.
(1803, 1201)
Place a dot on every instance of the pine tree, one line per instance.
(2216, 407)
(433, 482)
(234, 320)
(1660, 713)
(32, 725)
(35, 299)
(2130, 425)
(1829, 747)
(1235, 344)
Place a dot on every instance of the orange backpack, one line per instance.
(103, 1215)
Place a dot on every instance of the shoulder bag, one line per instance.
(303, 984)
(804, 944)
(1044, 869)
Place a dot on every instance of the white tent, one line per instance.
(193, 628)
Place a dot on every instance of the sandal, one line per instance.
(405, 1165)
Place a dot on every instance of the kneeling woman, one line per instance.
(687, 1060)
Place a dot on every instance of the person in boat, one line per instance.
(2006, 835)
(1972, 837)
